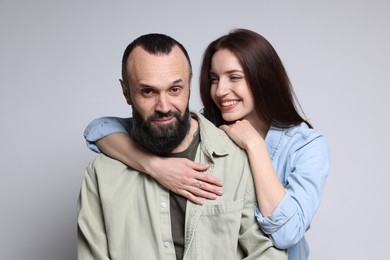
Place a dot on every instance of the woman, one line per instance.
(245, 91)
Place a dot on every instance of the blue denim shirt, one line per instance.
(300, 158)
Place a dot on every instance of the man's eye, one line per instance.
(175, 90)
(147, 92)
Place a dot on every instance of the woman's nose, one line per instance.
(222, 88)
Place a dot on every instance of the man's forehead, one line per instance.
(150, 69)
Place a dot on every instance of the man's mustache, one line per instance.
(159, 115)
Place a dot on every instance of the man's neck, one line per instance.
(189, 137)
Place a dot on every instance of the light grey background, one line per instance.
(60, 65)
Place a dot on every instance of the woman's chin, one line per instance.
(230, 117)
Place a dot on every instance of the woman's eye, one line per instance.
(236, 77)
(213, 80)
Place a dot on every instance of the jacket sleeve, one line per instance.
(104, 126)
(254, 243)
(309, 164)
(91, 234)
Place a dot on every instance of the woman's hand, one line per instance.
(184, 177)
(242, 133)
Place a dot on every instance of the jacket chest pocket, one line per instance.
(218, 230)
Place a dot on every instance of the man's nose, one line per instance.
(162, 104)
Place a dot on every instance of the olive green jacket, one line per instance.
(124, 214)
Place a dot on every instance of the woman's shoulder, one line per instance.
(298, 139)
(302, 130)
(296, 136)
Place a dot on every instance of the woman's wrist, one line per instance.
(151, 165)
(254, 145)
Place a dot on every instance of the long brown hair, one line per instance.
(274, 98)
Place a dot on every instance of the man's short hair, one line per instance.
(156, 44)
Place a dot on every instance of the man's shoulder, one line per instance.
(109, 174)
(102, 161)
(104, 166)
(216, 138)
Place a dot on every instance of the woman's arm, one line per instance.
(110, 135)
(269, 189)
(307, 169)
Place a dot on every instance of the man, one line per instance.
(125, 214)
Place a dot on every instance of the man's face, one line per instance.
(159, 95)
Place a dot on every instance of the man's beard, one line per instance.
(160, 139)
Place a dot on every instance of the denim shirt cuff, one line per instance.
(98, 129)
(283, 212)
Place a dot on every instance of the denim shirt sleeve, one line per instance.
(308, 166)
(104, 126)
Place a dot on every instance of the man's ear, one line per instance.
(126, 93)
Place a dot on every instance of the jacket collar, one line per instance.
(212, 138)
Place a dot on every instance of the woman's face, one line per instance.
(229, 88)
